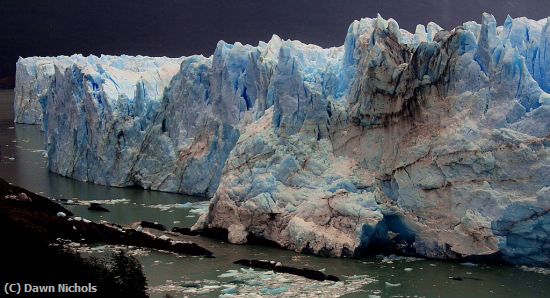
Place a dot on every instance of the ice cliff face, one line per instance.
(98, 114)
(433, 143)
(34, 76)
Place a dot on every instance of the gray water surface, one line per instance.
(22, 162)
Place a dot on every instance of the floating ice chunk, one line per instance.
(545, 271)
(230, 290)
(393, 258)
(229, 273)
(392, 285)
(185, 205)
(274, 291)
(109, 202)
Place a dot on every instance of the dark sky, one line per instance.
(185, 27)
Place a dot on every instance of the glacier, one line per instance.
(431, 143)
(34, 76)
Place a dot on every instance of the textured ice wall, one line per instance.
(98, 114)
(178, 140)
(34, 76)
(432, 143)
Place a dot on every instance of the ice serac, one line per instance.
(433, 143)
(34, 76)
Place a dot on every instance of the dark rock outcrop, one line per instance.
(97, 207)
(40, 216)
(278, 267)
(152, 225)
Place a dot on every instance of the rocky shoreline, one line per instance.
(34, 212)
(32, 251)
(23, 210)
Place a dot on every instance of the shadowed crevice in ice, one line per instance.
(391, 235)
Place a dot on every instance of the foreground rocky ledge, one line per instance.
(28, 211)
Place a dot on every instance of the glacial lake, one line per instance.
(23, 163)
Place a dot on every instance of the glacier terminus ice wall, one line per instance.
(434, 143)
